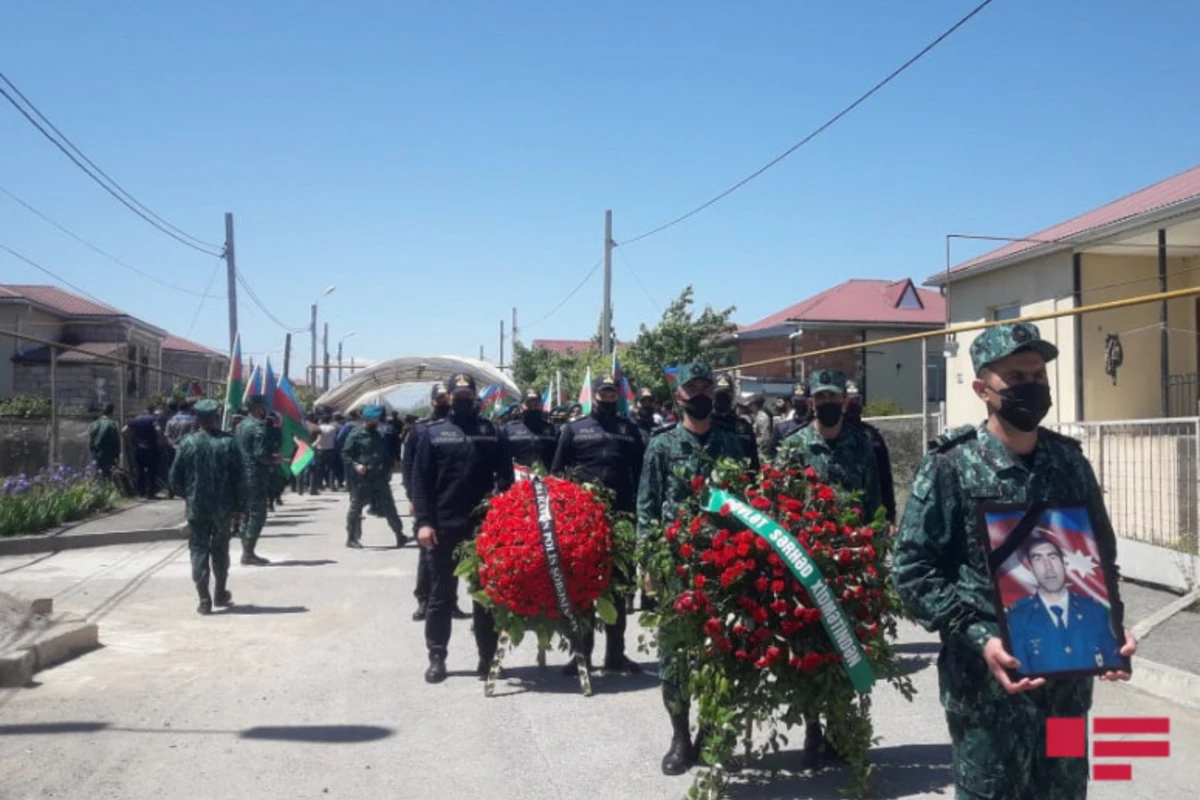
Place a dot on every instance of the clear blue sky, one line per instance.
(441, 162)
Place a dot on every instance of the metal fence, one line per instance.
(1182, 395)
(1147, 470)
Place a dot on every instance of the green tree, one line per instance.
(680, 336)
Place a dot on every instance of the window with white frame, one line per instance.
(1001, 313)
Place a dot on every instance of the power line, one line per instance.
(49, 272)
(571, 294)
(632, 272)
(263, 308)
(203, 297)
(122, 196)
(817, 132)
(97, 249)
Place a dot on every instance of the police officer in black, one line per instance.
(853, 416)
(794, 421)
(439, 400)
(459, 461)
(645, 415)
(725, 416)
(532, 439)
(604, 447)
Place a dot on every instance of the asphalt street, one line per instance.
(311, 687)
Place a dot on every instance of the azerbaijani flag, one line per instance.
(284, 402)
(254, 382)
(270, 385)
(235, 386)
(585, 393)
(546, 404)
(302, 457)
(193, 389)
(626, 399)
(672, 376)
(490, 400)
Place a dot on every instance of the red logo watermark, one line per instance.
(1066, 737)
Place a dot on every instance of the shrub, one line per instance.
(52, 497)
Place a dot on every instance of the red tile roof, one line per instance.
(870, 302)
(563, 345)
(58, 301)
(182, 345)
(1176, 189)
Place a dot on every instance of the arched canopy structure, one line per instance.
(386, 376)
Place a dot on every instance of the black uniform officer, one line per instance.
(645, 415)
(459, 461)
(724, 416)
(439, 400)
(604, 447)
(794, 421)
(532, 439)
(854, 412)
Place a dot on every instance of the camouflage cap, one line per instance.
(373, 412)
(695, 371)
(207, 408)
(255, 400)
(827, 380)
(724, 383)
(462, 382)
(1001, 341)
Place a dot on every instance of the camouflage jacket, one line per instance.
(847, 461)
(940, 565)
(208, 473)
(744, 431)
(370, 449)
(674, 456)
(254, 442)
(104, 441)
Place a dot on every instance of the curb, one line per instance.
(26, 545)
(63, 643)
(1169, 683)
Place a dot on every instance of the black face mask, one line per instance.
(698, 407)
(1025, 405)
(531, 416)
(645, 412)
(440, 411)
(723, 403)
(463, 407)
(853, 412)
(829, 414)
(604, 409)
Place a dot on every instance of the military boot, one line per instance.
(222, 599)
(249, 557)
(421, 612)
(437, 667)
(206, 602)
(354, 534)
(680, 756)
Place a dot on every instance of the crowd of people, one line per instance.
(453, 460)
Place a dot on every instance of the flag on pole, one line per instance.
(585, 393)
(672, 375)
(546, 397)
(193, 389)
(626, 399)
(254, 382)
(558, 395)
(235, 386)
(285, 404)
(490, 400)
(269, 385)
(302, 457)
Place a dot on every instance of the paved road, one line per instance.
(311, 688)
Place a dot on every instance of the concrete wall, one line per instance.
(207, 368)
(22, 319)
(25, 444)
(77, 385)
(1037, 286)
(894, 371)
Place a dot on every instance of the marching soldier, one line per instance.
(459, 461)
(532, 439)
(368, 466)
(207, 473)
(606, 448)
(676, 453)
(258, 463)
(724, 417)
(998, 723)
(854, 412)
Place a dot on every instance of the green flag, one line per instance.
(236, 385)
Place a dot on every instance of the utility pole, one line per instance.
(501, 364)
(325, 350)
(339, 362)
(606, 311)
(231, 279)
(313, 360)
(287, 355)
(514, 329)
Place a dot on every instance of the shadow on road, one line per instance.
(919, 648)
(550, 680)
(250, 609)
(900, 771)
(324, 734)
(303, 562)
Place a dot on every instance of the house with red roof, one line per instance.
(855, 311)
(569, 346)
(1142, 243)
(184, 357)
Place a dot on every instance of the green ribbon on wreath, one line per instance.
(800, 563)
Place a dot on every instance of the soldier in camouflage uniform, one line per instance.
(842, 455)
(368, 464)
(207, 473)
(691, 448)
(883, 458)
(724, 417)
(104, 441)
(997, 724)
(258, 462)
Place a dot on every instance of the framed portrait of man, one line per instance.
(1052, 590)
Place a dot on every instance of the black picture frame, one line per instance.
(1089, 645)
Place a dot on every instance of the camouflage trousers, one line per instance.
(673, 669)
(208, 541)
(256, 512)
(376, 494)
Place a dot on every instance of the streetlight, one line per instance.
(344, 338)
(328, 290)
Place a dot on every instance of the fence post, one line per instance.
(1195, 532)
(1100, 457)
(53, 406)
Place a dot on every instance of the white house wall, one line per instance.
(894, 371)
(1038, 286)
